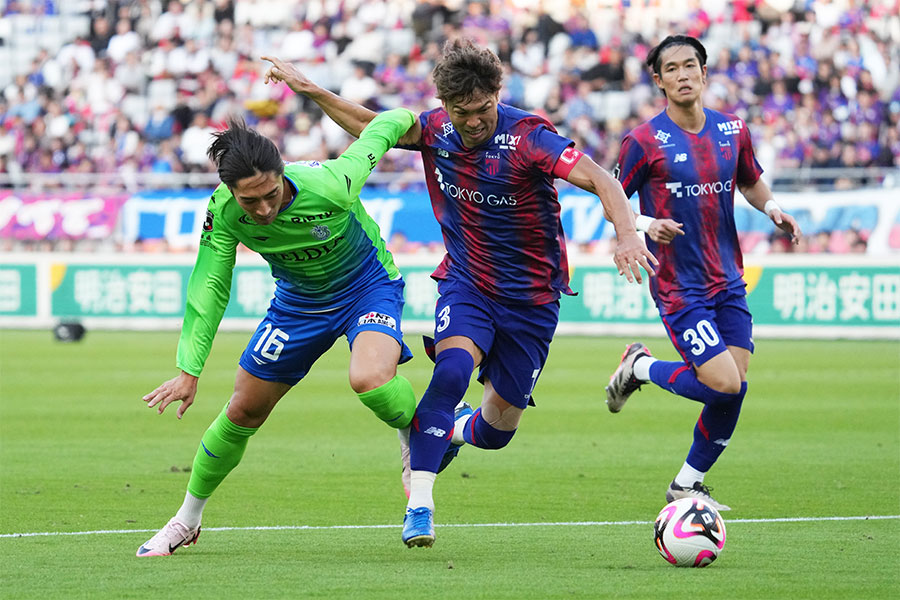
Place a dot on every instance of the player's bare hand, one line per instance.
(288, 73)
(787, 224)
(632, 254)
(178, 389)
(663, 231)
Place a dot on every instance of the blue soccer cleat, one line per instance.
(462, 410)
(418, 527)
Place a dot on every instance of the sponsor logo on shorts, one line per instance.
(375, 318)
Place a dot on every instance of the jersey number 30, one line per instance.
(705, 335)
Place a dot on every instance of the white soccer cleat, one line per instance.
(169, 539)
(406, 470)
(623, 383)
(698, 490)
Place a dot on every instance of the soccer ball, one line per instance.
(689, 533)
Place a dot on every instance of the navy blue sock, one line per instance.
(713, 430)
(432, 425)
(479, 432)
(679, 378)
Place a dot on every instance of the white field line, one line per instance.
(442, 525)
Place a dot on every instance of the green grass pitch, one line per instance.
(819, 438)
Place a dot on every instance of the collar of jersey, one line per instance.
(293, 197)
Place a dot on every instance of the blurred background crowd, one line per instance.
(136, 86)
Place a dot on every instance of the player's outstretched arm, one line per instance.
(182, 389)
(351, 116)
(631, 252)
(760, 197)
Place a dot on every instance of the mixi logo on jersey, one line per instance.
(506, 141)
(731, 127)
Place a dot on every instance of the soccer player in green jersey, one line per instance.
(333, 277)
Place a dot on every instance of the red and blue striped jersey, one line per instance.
(691, 178)
(498, 209)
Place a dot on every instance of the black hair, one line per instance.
(654, 59)
(464, 70)
(239, 152)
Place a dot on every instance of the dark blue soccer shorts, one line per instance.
(515, 339)
(288, 341)
(703, 329)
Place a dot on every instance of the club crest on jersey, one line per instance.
(376, 318)
(321, 232)
(208, 223)
(447, 128)
(662, 136)
(725, 150)
(492, 163)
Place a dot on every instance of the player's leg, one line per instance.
(463, 332)
(716, 343)
(431, 430)
(220, 451)
(280, 353)
(376, 348)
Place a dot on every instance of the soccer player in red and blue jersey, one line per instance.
(489, 168)
(685, 164)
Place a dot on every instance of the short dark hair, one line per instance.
(654, 59)
(239, 152)
(464, 70)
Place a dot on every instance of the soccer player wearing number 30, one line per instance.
(489, 168)
(685, 164)
(333, 278)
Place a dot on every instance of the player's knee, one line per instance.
(504, 420)
(725, 383)
(371, 376)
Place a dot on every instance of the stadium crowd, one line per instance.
(143, 85)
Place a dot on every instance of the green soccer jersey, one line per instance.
(323, 248)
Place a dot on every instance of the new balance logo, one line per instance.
(436, 432)
(681, 157)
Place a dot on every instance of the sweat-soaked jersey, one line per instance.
(323, 248)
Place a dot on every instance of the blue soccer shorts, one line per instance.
(703, 329)
(288, 341)
(515, 339)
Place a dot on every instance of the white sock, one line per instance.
(420, 485)
(688, 475)
(642, 367)
(191, 510)
(458, 428)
